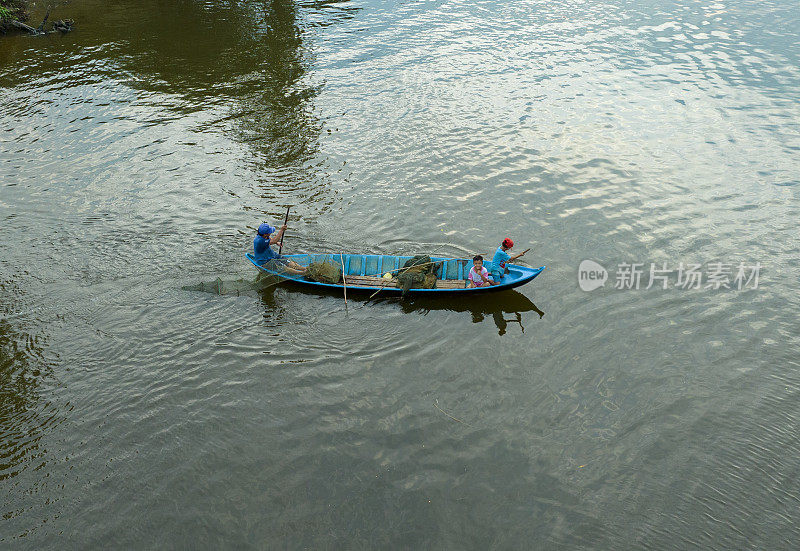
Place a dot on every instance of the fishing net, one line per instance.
(418, 272)
(324, 272)
(236, 287)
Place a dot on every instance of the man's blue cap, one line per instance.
(265, 229)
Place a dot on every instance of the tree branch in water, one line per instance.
(40, 30)
(12, 12)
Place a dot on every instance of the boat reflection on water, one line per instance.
(503, 306)
(498, 305)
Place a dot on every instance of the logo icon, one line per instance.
(591, 275)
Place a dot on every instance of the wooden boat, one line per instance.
(364, 271)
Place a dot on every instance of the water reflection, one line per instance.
(323, 13)
(274, 115)
(254, 68)
(23, 414)
(504, 307)
(497, 305)
(238, 68)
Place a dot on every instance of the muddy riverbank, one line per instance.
(12, 10)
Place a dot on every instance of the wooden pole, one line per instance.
(285, 221)
(379, 290)
(344, 280)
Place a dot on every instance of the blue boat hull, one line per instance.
(376, 265)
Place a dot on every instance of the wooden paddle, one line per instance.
(285, 221)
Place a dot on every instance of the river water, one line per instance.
(138, 153)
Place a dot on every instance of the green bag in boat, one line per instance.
(418, 272)
(324, 272)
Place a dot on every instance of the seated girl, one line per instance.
(478, 275)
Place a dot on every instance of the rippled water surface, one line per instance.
(138, 153)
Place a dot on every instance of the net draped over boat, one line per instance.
(324, 272)
(419, 272)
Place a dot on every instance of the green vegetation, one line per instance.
(10, 10)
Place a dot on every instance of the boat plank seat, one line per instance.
(451, 283)
(369, 281)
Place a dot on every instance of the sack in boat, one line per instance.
(418, 272)
(324, 272)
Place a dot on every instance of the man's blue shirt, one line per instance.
(262, 252)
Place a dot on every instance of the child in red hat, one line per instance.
(501, 258)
